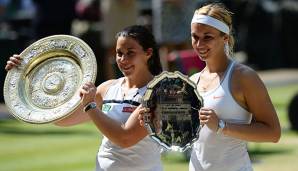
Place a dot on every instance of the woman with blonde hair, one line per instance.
(237, 107)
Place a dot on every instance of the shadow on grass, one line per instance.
(15, 128)
(257, 154)
(260, 152)
(175, 157)
(44, 132)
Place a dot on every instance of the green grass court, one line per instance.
(25, 147)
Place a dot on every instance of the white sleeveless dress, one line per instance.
(143, 156)
(217, 152)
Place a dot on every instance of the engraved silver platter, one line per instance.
(44, 87)
(173, 119)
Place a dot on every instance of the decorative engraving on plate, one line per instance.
(174, 103)
(79, 51)
(43, 88)
(54, 83)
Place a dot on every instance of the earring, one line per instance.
(227, 49)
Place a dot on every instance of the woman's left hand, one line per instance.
(87, 93)
(146, 115)
(209, 118)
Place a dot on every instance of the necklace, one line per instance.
(125, 93)
(211, 81)
(130, 92)
(130, 104)
(206, 86)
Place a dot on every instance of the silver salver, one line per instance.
(173, 119)
(44, 87)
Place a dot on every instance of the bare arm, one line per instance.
(265, 127)
(75, 118)
(79, 116)
(124, 135)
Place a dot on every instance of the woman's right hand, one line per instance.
(13, 61)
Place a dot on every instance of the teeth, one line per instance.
(126, 68)
(203, 51)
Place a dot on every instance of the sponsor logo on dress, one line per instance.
(218, 97)
(106, 107)
(128, 109)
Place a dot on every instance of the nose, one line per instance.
(198, 43)
(122, 58)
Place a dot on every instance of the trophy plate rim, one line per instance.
(56, 48)
(147, 97)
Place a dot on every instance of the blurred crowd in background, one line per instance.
(265, 30)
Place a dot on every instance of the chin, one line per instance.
(127, 73)
(203, 58)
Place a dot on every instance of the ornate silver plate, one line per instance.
(174, 102)
(44, 87)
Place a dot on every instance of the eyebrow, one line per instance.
(118, 49)
(194, 34)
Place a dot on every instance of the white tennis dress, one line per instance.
(143, 156)
(217, 152)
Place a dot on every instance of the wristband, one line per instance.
(91, 105)
(221, 126)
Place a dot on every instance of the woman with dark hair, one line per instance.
(113, 105)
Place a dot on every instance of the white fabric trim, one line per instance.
(205, 19)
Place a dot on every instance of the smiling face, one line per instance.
(131, 57)
(207, 41)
